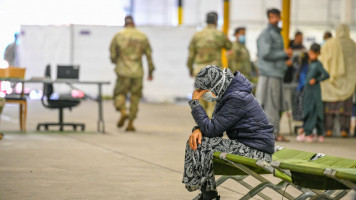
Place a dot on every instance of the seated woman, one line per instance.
(238, 113)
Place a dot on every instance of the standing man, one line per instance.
(239, 56)
(297, 42)
(290, 76)
(10, 54)
(205, 49)
(126, 50)
(272, 66)
(293, 65)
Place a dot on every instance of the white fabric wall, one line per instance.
(91, 52)
(42, 45)
(53, 44)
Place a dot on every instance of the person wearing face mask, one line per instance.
(273, 60)
(237, 113)
(239, 56)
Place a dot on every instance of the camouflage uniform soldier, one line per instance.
(126, 49)
(239, 56)
(205, 49)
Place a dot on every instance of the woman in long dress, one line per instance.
(338, 56)
(237, 113)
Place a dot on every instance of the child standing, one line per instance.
(313, 115)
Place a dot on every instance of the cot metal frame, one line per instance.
(279, 187)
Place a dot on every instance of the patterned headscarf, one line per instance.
(212, 75)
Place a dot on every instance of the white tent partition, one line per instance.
(42, 45)
(88, 46)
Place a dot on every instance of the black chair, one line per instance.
(57, 104)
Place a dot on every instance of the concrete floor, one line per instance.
(147, 164)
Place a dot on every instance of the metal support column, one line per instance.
(285, 21)
(225, 30)
(101, 125)
(180, 12)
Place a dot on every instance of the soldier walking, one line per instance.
(205, 49)
(126, 51)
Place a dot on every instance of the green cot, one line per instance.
(315, 175)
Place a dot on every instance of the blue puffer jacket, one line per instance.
(240, 115)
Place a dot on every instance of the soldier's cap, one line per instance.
(128, 20)
(211, 17)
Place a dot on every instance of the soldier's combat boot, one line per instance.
(130, 126)
(122, 119)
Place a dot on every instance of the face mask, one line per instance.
(208, 96)
(242, 39)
